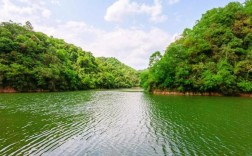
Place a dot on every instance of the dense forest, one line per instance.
(215, 56)
(33, 61)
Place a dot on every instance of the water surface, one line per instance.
(122, 122)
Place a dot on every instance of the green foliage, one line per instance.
(214, 56)
(144, 79)
(33, 61)
(114, 74)
(154, 58)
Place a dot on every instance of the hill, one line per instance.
(215, 56)
(33, 61)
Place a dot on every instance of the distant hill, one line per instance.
(33, 61)
(116, 74)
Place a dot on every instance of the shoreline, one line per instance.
(12, 90)
(176, 93)
(8, 90)
(155, 92)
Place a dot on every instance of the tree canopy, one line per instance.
(31, 61)
(214, 56)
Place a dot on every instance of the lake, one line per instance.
(123, 122)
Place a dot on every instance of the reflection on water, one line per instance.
(202, 125)
(118, 122)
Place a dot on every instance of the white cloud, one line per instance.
(46, 13)
(171, 2)
(133, 46)
(57, 2)
(27, 11)
(123, 8)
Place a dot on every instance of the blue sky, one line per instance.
(130, 30)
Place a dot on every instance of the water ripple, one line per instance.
(118, 122)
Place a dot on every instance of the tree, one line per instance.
(154, 58)
(28, 25)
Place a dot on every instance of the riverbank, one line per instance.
(8, 90)
(166, 92)
(12, 90)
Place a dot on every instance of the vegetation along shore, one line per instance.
(214, 57)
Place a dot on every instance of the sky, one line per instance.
(129, 30)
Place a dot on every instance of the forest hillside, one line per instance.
(33, 61)
(215, 56)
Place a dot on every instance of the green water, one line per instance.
(118, 122)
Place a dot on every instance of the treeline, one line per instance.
(214, 56)
(32, 61)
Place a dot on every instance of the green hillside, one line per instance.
(214, 56)
(32, 61)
